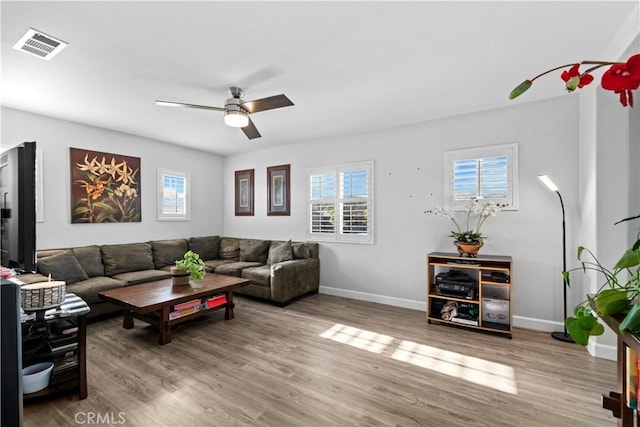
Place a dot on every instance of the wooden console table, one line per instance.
(615, 400)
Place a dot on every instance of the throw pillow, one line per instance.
(90, 258)
(126, 257)
(301, 251)
(167, 252)
(206, 247)
(254, 250)
(280, 252)
(63, 267)
(229, 248)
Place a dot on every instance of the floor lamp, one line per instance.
(562, 336)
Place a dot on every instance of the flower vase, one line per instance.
(468, 248)
(179, 276)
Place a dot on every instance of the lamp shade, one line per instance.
(236, 119)
(550, 185)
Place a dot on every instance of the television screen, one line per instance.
(18, 207)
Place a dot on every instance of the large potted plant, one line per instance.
(189, 268)
(618, 295)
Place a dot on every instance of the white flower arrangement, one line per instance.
(475, 208)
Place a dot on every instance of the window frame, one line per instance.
(510, 150)
(337, 200)
(163, 216)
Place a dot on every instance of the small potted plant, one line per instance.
(189, 268)
(470, 240)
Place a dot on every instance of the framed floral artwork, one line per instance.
(244, 192)
(278, 189)
(105, 187)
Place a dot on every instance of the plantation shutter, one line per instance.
(487, 173)
(483, 178)
(341, 203)
(323, 207)
(354, 204)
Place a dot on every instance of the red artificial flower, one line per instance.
(570, 78)
(623, 78)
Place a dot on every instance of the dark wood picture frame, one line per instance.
(278, 190)
(244, 192)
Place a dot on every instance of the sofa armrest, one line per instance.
(290, 279)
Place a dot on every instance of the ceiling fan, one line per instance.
(237, 110)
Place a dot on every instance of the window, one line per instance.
(173, 196)
(487, 173)
(341, 203)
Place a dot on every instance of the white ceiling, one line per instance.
(348, 67)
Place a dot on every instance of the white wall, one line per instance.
(54, 137)
(409, 179)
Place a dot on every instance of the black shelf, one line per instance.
(59, 338)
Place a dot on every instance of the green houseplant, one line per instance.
(191, 264)
(618, 295)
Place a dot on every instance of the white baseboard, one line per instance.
(597, 350)
(382, 299)
(603, 351)
(537, 324)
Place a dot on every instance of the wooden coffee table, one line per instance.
(152, 302)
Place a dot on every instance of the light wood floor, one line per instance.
(330, 361)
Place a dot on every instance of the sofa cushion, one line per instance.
(167, 252)
(314, 249)
(279, 252)
(229, 249)
(63, 266)
(43, 253)
(142, 276)
(125, 258)
(29, 278)
(258, 275)
(212, 264)
(90, 258)
(88, 289)
(235, 268)
(300, 250)
(252, 250)
(206, 247)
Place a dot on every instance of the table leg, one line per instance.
(228, 310)
(127, 321)
(82, 357)
(165, 328)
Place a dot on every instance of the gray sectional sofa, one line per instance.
(278, 271)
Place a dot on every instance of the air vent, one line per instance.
(39, 44)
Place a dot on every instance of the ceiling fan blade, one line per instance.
(269, 103)
(250, 130)
(181, 104)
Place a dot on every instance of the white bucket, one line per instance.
(36, 377)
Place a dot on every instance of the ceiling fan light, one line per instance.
(236, 119)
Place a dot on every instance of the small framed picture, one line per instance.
(244, 192)
(278, 189)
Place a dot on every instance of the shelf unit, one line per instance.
(615, 401)
(487, 308)
(59, 336)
